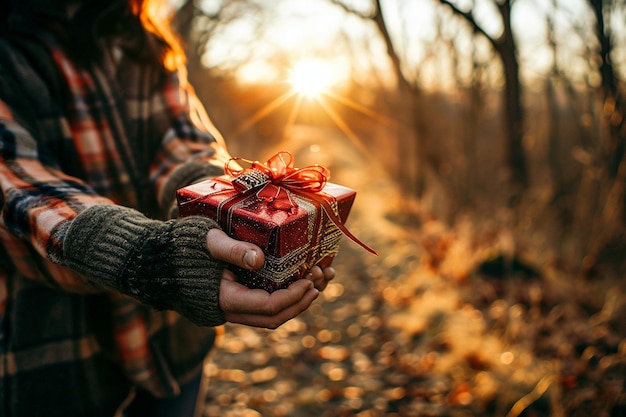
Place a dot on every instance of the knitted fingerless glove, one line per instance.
(163, 264)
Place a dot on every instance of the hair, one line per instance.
(155, 17)
(143, 26)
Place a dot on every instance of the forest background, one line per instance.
(486, 139)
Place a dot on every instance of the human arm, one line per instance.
(86, 243)
(64, 229)
(173, 269)
(118, 248)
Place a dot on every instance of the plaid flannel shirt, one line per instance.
(120, 133)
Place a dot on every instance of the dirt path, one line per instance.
(417, 332)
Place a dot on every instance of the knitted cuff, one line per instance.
(163, 264)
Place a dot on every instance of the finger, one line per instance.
(317, 276)
(317, 272)
(229, 275)
(321, 277)
(236, 252)
(329, 273)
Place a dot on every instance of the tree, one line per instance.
(506, 49)
(415, 154)
(196, 24)
(611, 95)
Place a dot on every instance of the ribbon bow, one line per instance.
(275, 180)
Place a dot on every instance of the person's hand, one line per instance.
(320, 277)
(256, 307)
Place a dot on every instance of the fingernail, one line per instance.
(249, 259)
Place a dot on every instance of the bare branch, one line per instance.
(353, 11)
(469, 18)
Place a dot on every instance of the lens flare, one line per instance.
(311, 77)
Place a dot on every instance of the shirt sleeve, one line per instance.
(191, 148)
(51, 220)
(38, 204)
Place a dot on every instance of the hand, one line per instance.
(320, 277)
(257, 307)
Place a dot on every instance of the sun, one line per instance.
(312, 77)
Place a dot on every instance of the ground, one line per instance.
(449, 320)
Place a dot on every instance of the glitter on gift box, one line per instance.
(294, 215)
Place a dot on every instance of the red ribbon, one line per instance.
(279, 178)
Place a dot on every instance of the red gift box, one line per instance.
(294, 215)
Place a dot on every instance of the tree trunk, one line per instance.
(613, 103)
(513, 103)
(412, 155)
(514, 112)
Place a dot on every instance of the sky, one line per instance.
(298, 29)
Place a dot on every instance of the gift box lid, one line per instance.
(251, 219)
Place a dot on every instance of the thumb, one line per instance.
(236, 252)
